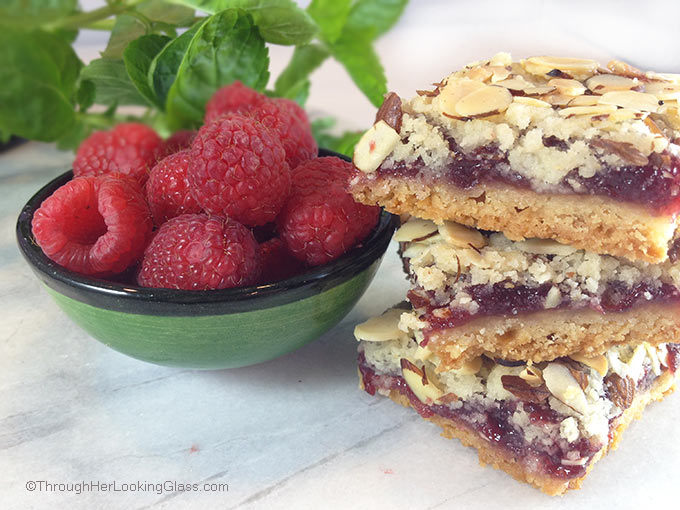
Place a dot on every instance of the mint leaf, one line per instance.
(377, 16)
(33, 13)
(112, 83)
(305, 59)
(163, 69)
(279, 21)
(85, 95)
(126, 29)
(164, 12)
(38, 72)
(354, 50)
(331, 16)
(227, 47)
(138, 57)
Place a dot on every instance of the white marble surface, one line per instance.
(296, 432)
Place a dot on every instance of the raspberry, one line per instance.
(291, 125)
(178, 141)
(130, 149)
(199, 252)
(167, 190)
(94, 225)
(238, 169)
(234, 98)
(277, 262)
(321, 221)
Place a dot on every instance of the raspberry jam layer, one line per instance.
(655, 185)
(506, 300)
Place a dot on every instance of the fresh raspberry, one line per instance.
(94, 225)
(234, 98)
(238, 169)
(130, 149)
(291, 125)
(321, 220)
(178, 141)
(167, 190)
(277, 262)
(199, 252)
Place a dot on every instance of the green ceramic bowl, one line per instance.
(208, 329)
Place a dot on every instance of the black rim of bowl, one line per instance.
(152, 301)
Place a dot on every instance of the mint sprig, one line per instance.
(170, 56)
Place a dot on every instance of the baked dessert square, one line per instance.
(546, 423)
(546, 147)
(475, 292)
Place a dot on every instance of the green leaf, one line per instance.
(164, 12)
(126, 29)
(33, 13)
(138, 57)
(85, 95)
(163, 69)
(376, 16)
(279, 21)
(112, 83)
(227, 47)
(354, 50)
(38, 72)
(344, 143)
(305, 59)
(331, 16)
(71, 138)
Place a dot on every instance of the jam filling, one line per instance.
(508, 300)
(655, 185)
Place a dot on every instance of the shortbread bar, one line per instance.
(545, 424)
(547, 147)
(477, 292)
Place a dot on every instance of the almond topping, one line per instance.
(530, 101)
(499, 73)
(578, 68)
(454, 91)
(664, 91)
(374, 146)
(382, 328)
(623, 69)
(414, 229)
(626, 151)
(597, 363)
(557, 99)
(422, 386)
(533, 375)
(478, 73)
(564, 387)
(515, 83)
(540, 90)
(545, 247)
(523, 390)
(483, 101)
(461, 236)
(584, 101)
(587, 110)
(631, 99)
(603, 83)
(390, 111)
(570, 87)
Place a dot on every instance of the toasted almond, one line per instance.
(382, 328)
(623, 69)
(564, 387)
(498, 73)
(486, 100)
(663, 91)
(557, 99)
(599, 109)
(584, 101)
(545, 247)
(539, 90)
(415, 250)
(553, 298)
(461, 236)
(598, 363)
(516, 83)
(566, 86)
(530, 101)
(478, 73)
(603, 83)
(422, 386)
(625, 114)
(414, 229)
(579, 68)
(454, 90)
(501, 59)
(533, 375)
(374, 146)
(631, 99)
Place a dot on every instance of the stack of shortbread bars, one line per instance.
(539, 203)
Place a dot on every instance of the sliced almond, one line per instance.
(545, 247)
(382, 328)
(625, 114)
(584, 101)
(461, 236)
(480, 102)
(498, 73)
(454, 91)
(533, 375)
(414, 229)
(557, 99)
(631, 99)
(539, 90)
(579, 68)
(603, 83)
(415, 250)
(374, 146)
(478, 73)
(516, 83)
(420, 384)
(599, 109)
(626, 151)
(598, 363)
(530, 101)
(565, 86)
(623, 69)
(564, 387)
(663, 91)
(501, 59)
(553, 298)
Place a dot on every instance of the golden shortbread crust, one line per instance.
(505, 461)
(593, 223)
(550, 334)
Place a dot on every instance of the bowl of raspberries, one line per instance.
(217, 248)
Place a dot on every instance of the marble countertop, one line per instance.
(294, 432)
